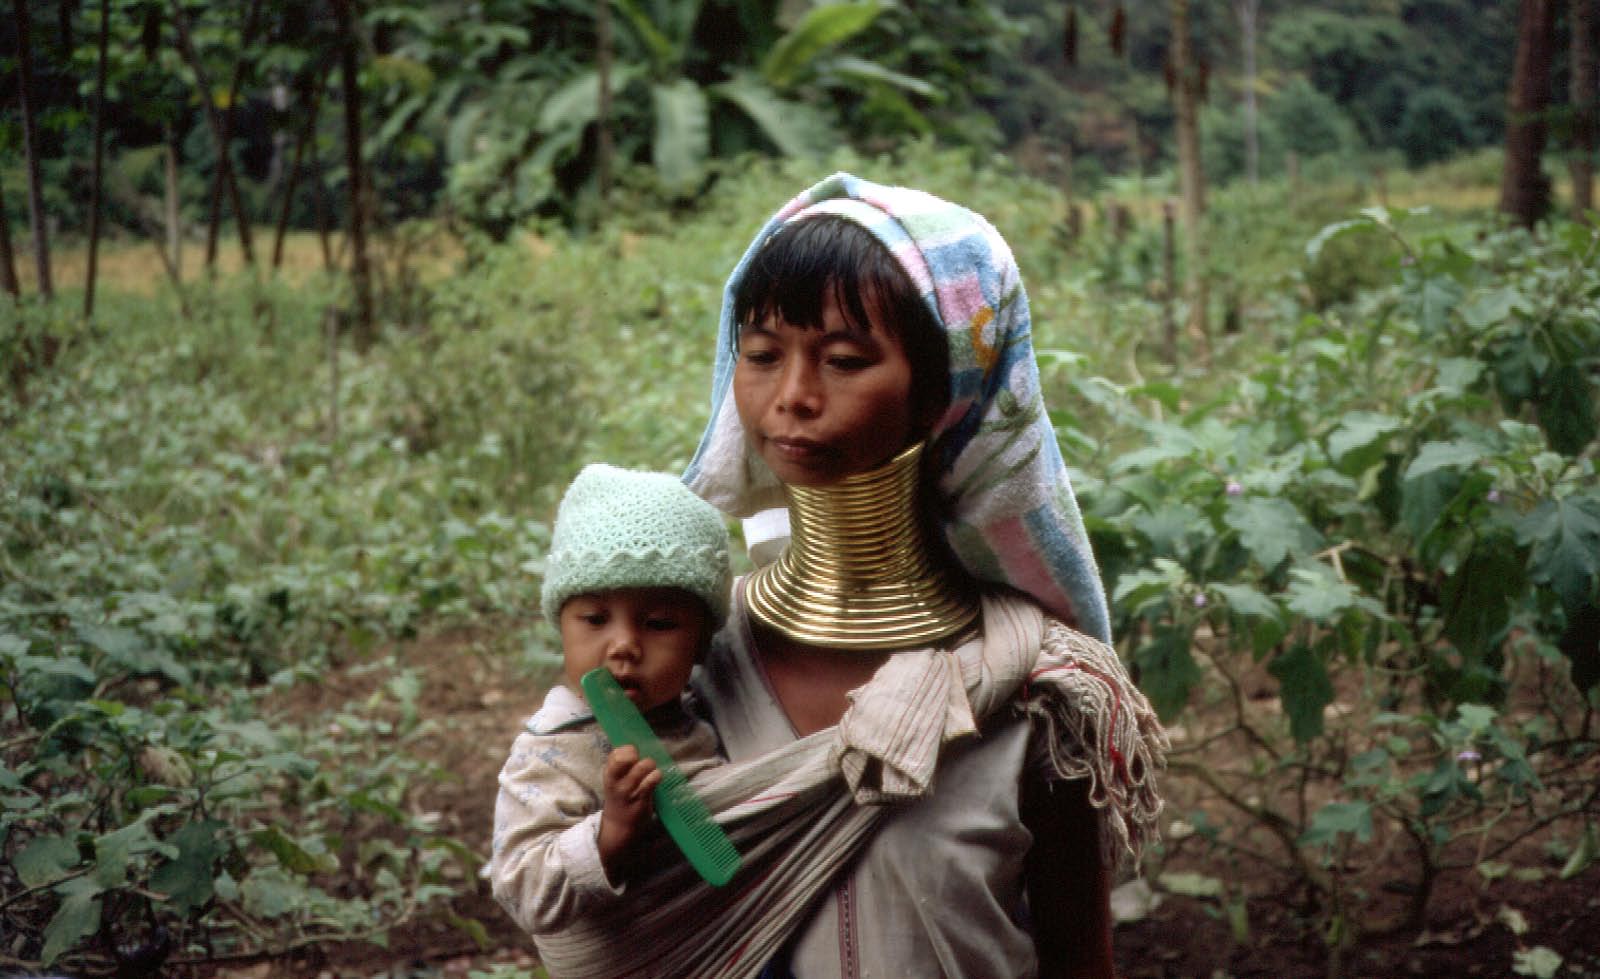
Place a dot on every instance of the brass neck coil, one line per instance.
(860, 571)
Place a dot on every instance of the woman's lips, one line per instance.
(797, 449)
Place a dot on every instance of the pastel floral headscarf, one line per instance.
(1007, 507)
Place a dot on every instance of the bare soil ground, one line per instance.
(478, 694)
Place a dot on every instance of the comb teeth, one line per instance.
(682, 812)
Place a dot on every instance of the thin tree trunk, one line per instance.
(121, 189)
(319, 201)
(99, 160)
(30, 149)
(8, 261)
(319, 83)
(602, 120)
(365, 328)
(219, 135)
(1191, 180)
(224, 147)
(174, 211)
(1169, 280)
(1583, 90)
(1246, 10)
(331, 319)
(64, 40)
(1524, 189)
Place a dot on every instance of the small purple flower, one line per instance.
(1468, 756)
(1234, 489)
(1406, 261)
(1494, 496)
(1200, 600)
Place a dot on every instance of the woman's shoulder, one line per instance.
(1058, 634)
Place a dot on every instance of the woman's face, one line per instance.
(822, 404)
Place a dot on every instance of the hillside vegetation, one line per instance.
(1353, 542)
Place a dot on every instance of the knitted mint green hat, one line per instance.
(617, 528)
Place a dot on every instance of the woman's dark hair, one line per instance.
(805, 261)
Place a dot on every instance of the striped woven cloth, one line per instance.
(799, 814)
(1009, 511)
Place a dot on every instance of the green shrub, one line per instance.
(1309, 123)
(1436, 124)
(1347, 266)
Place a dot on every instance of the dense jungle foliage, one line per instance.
(488, 117)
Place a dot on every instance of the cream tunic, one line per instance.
(939, 890)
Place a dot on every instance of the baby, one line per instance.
(637, 581)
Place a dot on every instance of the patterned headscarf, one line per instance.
(1006, 504)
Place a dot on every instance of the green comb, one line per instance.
(686, 818)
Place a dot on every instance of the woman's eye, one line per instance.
(595, 619)
(758, 357)
(661, 624)
(848, 363)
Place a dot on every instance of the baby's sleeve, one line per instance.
(544, 865)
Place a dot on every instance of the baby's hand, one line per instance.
(629, 781)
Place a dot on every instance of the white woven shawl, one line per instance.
(800, 813)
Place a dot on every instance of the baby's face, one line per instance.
(649, 638)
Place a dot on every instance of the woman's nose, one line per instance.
(798, 390)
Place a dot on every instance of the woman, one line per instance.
(875, 377)
(931, 767)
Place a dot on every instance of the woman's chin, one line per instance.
(808, 472)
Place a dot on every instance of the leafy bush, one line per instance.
(1343, 267)
(180, 542)
(1310, 123)
(1390, 528)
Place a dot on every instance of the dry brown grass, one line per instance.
(132, 265)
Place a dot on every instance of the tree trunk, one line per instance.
(224, 147)
(1524, 189)
(218, 124)
(602, 119)
(1191, 181)
(365, 328)
(30, 150)
(1246, 10)
(1583, 91)
(99, 160)
(8, 262)
(64, 40)
(311, 95)
(174, 250)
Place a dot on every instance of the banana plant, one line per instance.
(692, 96)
